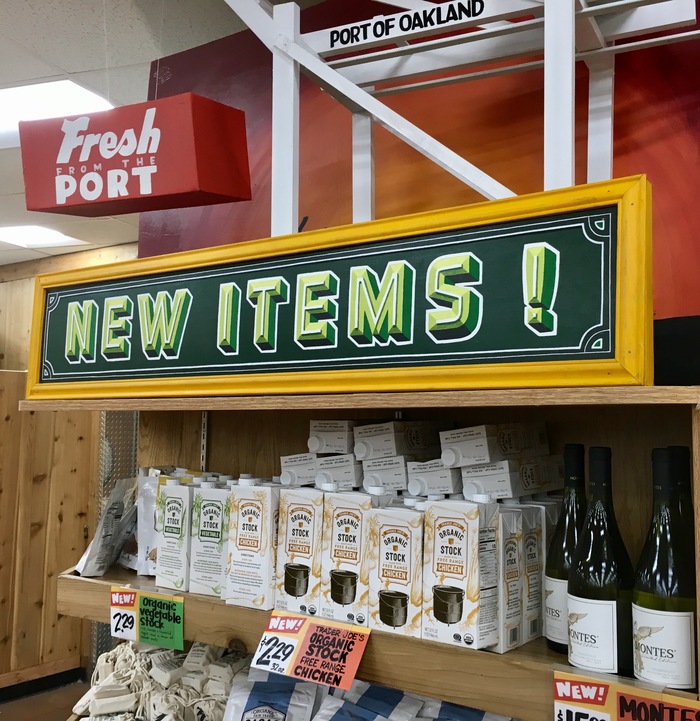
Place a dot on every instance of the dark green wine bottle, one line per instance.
(600, 581)
(562, 547)
(663, 599)
(679, 457)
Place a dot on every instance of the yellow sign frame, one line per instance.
(632, 364)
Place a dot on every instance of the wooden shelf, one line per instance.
(472, 678)
(638, 395)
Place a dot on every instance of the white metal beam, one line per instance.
(362, 168)
(285, 126)
(588, 35)
(654, 17)
(559, 97)
(527, 42)
(356, 98)
(601, 87)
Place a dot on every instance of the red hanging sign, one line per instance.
(175, 152)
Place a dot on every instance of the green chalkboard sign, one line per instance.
(458, 298)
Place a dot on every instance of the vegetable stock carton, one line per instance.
(460, 573)
(395, 576)
(345, 563)
(173, 560)
(211, 508)
(300, 538)
(510, 579)
(252, 549)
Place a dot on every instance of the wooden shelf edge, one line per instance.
(425, 399)
(516, 684)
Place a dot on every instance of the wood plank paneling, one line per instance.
(11, 391)
(170, 438)
(34, 492)
(71, 479)
(54, 480)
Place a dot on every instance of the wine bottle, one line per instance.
(600, 581)
(680, 470)
(663, 599)
(561, 548)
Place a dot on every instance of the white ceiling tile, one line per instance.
(19, 66)
(11, 179)
(66, 250)
(100, 231)
(20, 255)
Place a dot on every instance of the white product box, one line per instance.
(391, 473)
(379, 440)
(510, 580)
(345, 563)
(514, 478)
(299, 550)
(252, 549)
(488, 444)
(331, 436)
(396, 564)
(173, 560)
(432, 477)
(344, 470)
(298, 469)
(460, 573)
(211, 508)
(382, 440)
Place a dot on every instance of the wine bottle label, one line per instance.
(592, 634)
(555, 625)
(664, 648)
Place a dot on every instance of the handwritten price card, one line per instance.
(325, 652)
(149, 617)
(578, 698)
(124, 613)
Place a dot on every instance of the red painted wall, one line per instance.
(495, 124)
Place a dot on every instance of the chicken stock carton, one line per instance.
(300, 537)
(533, 572)
(343, 469)
(252, 549)
(395, 576)
(510, 579)
(545, 539)
(460, 573)
(344, 565)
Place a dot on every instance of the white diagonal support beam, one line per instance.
(362, 168)
(285, 127)
(357, 99)
(559, 61)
